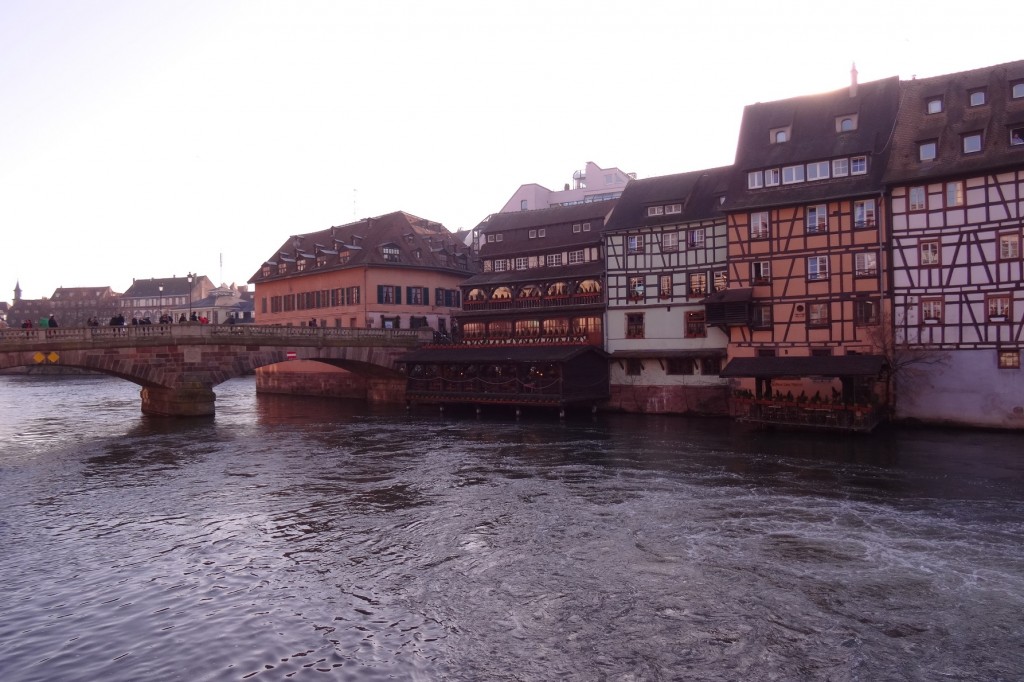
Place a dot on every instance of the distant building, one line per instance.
(593, 184)
(393, 271)
(151, 298)
(226, 304)
(665, 247)
(70, 306)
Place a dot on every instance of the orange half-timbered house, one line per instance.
(807, 256)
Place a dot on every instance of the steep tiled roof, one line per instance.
(811, 123)
(557, 223)
(994, 119)
(697, 191)
(393, 240)
(150, 288)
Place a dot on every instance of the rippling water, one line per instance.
(293, 538)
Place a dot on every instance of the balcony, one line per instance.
(532, 303)
(806, 416)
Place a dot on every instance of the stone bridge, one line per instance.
(177, 365)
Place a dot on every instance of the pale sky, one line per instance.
(147, 138)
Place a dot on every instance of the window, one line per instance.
(792, 174)
(1009, 246)
(635, 244)
(759, 225)
(1017, 90)
(1009, 359)
(670, 241)
(972, 143)
(771, 177)
(500, 265)
(926, 150)
(817, 268)
(721, 280)
(934, 105)
(755, 180)
(698, 283)
(695, 326)
(673, 208)
(779, 135)
(858, 165)
(553, 260)
(695, 238)
(665, 287)
(586, 227)
(760, 272)
(634, 325)
(840, 167)
(522, 204)
(816, 219)
(636, 288)
(541, 232)
(679, 366)
(388, 294)
(865, 264)
(499, 237)
(976, 98)
(931, 309)
(266, 271)
(391, 254)
(761, 316)
(918, 199)
(533, 234)
(864, 213)
(817, 170)
(865, 312)
(954, 194)
(634, 367)
(577, 228)
(845, 124)
(417, 295)
(817, 314)
(1016, 137)
(930, 254)
(576, 257)
(998, 307)
(655, 210)
(522, 263)
(282, 268)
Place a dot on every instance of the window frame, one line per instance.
(929, 110)
(977, 97)
(755, 180)
(840, 167)
(635, 325)
(932, 310)
(665, 287)
(772, 177)
(818, 314)
(869, 218)
(954, 189)
(975, 137)
(672, 238)
(817, 269)
(695, 325)
(760, 273)
(761, 316)
(818, 170)
(634, 244)
(1003, 311)
(820, 223)
(858, 165)
(636, 287)
(872, 307)
(929, 253)
(1006, 238)
(862, 269)
(796, 174)
(695, 238)
(927, 150)
(1007, 359)
(761, 227)
(917, 198)
(697, 283)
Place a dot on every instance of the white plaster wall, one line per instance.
(969, 390)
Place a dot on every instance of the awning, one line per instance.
(498, 354)
(807, 366)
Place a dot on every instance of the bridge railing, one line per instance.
(218, 332)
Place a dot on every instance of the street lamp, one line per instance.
(189, 278)
(160, 287)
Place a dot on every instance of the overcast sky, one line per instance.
(147, 138)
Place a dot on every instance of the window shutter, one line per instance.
(426, 297)
(398, 295)
(380, 293)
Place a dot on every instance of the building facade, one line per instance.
(956, 192)
(150, 299)
(394, 271)
(666, 248)
(807, 252)
(589, 185)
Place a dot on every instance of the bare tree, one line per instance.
(908, 363)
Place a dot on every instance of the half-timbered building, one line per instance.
(807, 255)
(956, 187)
(665, 249)
(531, 328)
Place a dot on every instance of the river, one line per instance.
(294, 538)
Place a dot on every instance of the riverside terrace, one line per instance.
(177, 365)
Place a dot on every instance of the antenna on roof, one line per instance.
(853, 80)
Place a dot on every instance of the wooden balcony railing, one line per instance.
(807, 415)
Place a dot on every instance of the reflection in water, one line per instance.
(288, 538)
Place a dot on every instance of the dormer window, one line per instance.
(674, 208)
(321, 261)
(282, 268)
(972, 143)
(344, 256)
(655, 210)
(266, 271)
(976, 98)
(779, 135)
(934, 105)
(391, 253)
(1017, 90)
(300, 264)
(845, 124)
(926, 151)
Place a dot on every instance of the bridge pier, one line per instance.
(178, 402)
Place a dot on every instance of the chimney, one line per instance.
(853, 80)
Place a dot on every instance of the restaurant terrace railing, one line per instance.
(841, 417)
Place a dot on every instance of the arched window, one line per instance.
(476, 295)
(590, 286)
(530, 291)
(501, 293)
(558, 289)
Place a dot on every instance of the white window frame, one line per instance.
(695, 238)
(840, 168)
(670, 242)
(858, 165)
(934, 105)
(927, 151)
(673, 208)
(917, 198)
(816, 219)
(954, 194)
(553, 260)
(817, 170)
(655, 211)
(760, 272)
(755, 180)
(522, 263)
(792, 174)
(972, 143)
(760, 226)
(865, 207)
(865, 264)
(1009, 246)
(930, 254)
(817, 268)
(634, 244)
(578, 256)
(772, 177)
